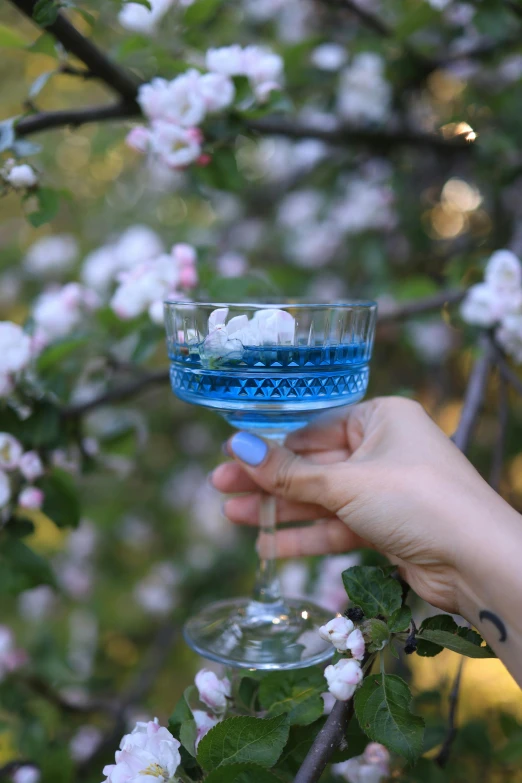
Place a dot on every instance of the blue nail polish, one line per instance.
(249, 448)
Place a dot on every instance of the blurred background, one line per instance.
(386, 214)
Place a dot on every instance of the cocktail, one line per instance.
(268, 369)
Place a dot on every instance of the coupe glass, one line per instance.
(268, 369)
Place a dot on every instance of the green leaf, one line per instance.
(296, 693)
(7, 134)
(417, 17)
(39, 83)
(241, 773)
(242, 739)
(48, 203)
(374, 592)
(23, 148)
(45, 12)
(188, 733)
(182, 711)
(11, 39)
(44, 44)
(20, 567)
(300, 739)
(376, 634)
(382, 709)
(400, 620)
(456, 643)
(441, 631)
(58, 352)
(200, 11)
(61, 502)
(43, 427)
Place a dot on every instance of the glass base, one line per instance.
(248, 634)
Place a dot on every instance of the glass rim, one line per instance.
(363, 304)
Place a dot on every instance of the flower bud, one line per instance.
(343, 678)
(212, 691)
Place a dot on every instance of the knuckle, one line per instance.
(284, 476)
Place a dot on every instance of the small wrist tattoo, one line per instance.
(485, 614)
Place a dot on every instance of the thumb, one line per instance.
(279, 471)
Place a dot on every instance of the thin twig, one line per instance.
(508, 373)
(123, 82)
(118, 394)
(410, 309)
(325, 742)
(500, 442)
(46, 120)
(474, 396)
(443, 756)
(41, 688)
(381, 139)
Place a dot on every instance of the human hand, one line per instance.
(382, 475)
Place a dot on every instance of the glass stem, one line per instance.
(267, 588)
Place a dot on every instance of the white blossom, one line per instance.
(31, 497)
(216, 90)
(147, 754)
(343, 678)
(336, 632)
(5, 489)
(156, 593)
(329, 56)
(364, 95)
(213, 691)
(140, 19)
(51, 255)
(26, 774)
(58, 311)
(11, 657)
(30, 465)
(503, 272)
(204, 722)
(22, 176)
(15, 348)
(231, 264)
(85, 742)
(177, 147)
(509, 336)
(370, 767)
(10, 451)
(299, 208)
(37, 604)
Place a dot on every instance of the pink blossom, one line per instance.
(204, 722)
(343, 678)
(204, 160)
(355, 644)
(184, 254)
(31, 497)
(138, 138)
(173, 145)
(371, 767)
(329, 701)
(217, 91)
(27, 774)
(212, 691)
(148, 752)
(30, 465)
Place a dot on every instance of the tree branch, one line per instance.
(475, 393)
(381, 139)
(118, 79)
(118, 394)
(45, 120)
(326, 742)
(369, 20)
(507, 372)
(410, 309)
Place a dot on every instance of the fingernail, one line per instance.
(210, 479)
(249, 448)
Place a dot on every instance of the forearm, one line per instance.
(490, 593)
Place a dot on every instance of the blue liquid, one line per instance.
(279, 388)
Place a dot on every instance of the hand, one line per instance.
(384, 476)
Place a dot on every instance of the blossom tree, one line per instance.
(202, 148)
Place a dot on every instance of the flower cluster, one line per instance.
(497, 302)
(140, 19)
(364, 95)
(20, 176)
(28, 467)
(59, 309)
(176, 109)
(344, 676)
(149, 752)
(372, 766)
(52, 255)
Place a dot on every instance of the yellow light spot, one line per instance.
(445, 87)
(276, 620)
(453, 129)
(446, 223)
(459, 195)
